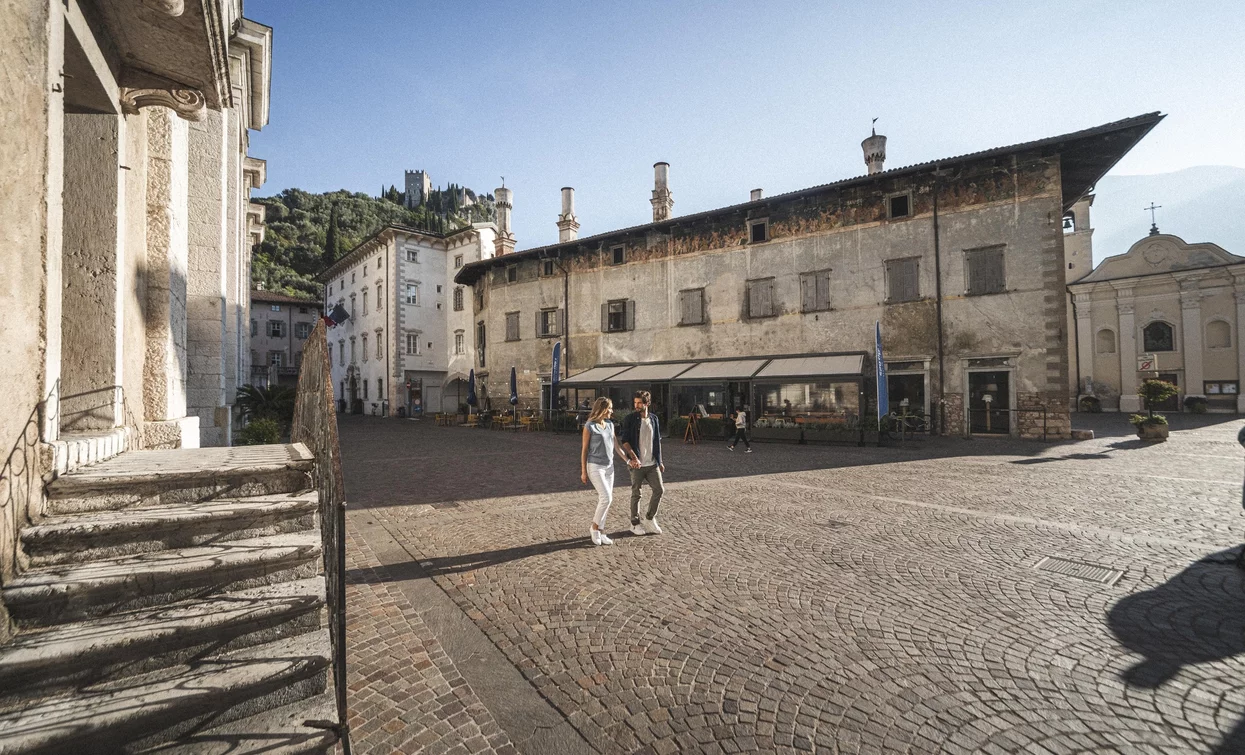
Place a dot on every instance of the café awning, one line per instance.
(733, 369)
(646, 373)
(593, 376)
(816, 366)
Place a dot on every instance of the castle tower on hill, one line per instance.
(418, 187)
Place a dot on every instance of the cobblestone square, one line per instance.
(802, 598)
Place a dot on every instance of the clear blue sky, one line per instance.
(734, 95)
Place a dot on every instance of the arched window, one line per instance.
(1218, 335)
(1106, 341)
(1158, 336)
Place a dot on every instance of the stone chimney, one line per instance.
(875, 152)
(568, 226)
(663, 200)
(756, 194)
(504, 242)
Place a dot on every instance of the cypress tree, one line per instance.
(331, 238)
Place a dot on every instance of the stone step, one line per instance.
(57, 594)
(145, 711)
(150, 478)
(98, 535)
(281, 731)
(136, 642)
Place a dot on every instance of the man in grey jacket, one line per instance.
(641, 442)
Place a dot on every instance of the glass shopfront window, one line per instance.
(816, 401)
(688, 396)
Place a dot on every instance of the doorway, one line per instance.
(908, 387)
(1172, 404)
(414, 397)
(989, 400)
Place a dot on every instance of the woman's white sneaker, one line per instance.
(605, 539)
(596, 536)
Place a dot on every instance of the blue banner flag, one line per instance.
(556, 374)
(883, 397)
(514, 388)
(471, 388)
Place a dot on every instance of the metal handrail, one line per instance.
(315, 424)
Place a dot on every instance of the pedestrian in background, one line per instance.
(741, 430)
(596, 463)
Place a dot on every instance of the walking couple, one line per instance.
(639, 445)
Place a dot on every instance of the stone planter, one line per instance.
(1152, 432)
(776, 433)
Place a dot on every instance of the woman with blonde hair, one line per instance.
(596, 462)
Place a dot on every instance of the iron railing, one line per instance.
(315, 424)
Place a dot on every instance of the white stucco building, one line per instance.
(407, 346)
(1183, 303)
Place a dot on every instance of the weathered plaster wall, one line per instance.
(1016, 206)
(135, 266)
(25, 233)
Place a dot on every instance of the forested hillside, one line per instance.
(297, 242)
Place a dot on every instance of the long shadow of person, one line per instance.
(1197, 616)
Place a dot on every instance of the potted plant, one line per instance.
(1195, 404)
(1153, 426)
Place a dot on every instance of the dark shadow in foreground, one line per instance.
(1198, 616)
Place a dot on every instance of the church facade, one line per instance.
(1182, 303)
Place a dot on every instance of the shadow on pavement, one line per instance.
(435, 567)
(1197, 616)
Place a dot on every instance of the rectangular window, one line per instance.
(458, 261)
(276, 358)
(380, 346)
(512, 326)
(412, 293)
(365, 389)
(548, 322)
(903, 279)
(365, 301)
(302, 330)
(380, 387)
(618, 316)
(547, 267)
(512, 273)
(815, 291)
(276, 329)
(298, 361)
(617, 255)
(458, 342)
(302, 310)
(379, 298)
(412, 255)
(341, 353)
(983, 271)
(761, 298)
(458, 298)
(480, 342)
(692, 306)
(276, 307)
(352, 299)
(412, 343)
(354, 358)
(365, 347)
(254, 328)
(899, 206)
(758, 231)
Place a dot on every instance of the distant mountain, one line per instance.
(1204, 203)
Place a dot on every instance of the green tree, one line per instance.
(332, 240)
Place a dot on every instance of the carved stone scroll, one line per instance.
(170, 7)
(187, 103)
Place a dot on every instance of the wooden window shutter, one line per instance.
(823, 290)
(699, 303)
(561, 322)
(631, 314)
(911, 282)
(605, 317)
(539, 332)
(808, 292)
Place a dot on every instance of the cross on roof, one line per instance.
(1154, 226)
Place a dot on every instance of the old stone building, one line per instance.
(280, 325)
(406, 345)
(1182, 303)
(147, 598)
(962, 260)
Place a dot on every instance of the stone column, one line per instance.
(1129, 400)
(1084, 344)
(93, 273)
(205, 282)
(1191, 346)
(164, 380)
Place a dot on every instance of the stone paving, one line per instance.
(827, 599)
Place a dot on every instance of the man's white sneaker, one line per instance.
(596, 536)
(638, 529)
(748, 451)
(605, 539)
(650, 526)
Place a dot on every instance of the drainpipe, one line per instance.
(566, 317)
(942, 375)
(1076, 345)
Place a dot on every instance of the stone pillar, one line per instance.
(1129, 400)
(93, 273)
(1084, 344)
(1239, 295)
(164, 380)
(1191, 346)
(205, 280)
